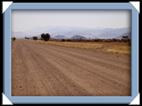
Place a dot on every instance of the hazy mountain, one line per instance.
(78, 37)
(25, 34)
(19, 34)
(59, 37)
(68, 32)
(113, 33)
(124, 34)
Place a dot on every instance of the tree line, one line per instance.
(43, 36)
(46, 37)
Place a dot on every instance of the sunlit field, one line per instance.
(112, 47)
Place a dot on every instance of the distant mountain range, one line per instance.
(75, 33)
(59, 37)
(78, 37)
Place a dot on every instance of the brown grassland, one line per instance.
(112, 47)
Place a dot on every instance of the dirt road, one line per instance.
(42, 69)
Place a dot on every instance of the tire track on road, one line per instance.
(57, 54)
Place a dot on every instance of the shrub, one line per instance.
(13, 38)
(45, 36)
(35, 38)
(125, 37)
(27, 38)
(63, 40)
(68, 40)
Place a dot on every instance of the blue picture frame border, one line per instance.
(72, 99)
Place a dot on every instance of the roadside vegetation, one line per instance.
(45, 36)
(117, 46)
(13, 38)
(110, 47)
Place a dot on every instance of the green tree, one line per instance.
(45, 36)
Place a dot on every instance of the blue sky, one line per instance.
(28, 20)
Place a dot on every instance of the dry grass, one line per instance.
(123, 49)
(111, 47)
(83, 45)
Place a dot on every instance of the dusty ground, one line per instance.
(42, 69)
